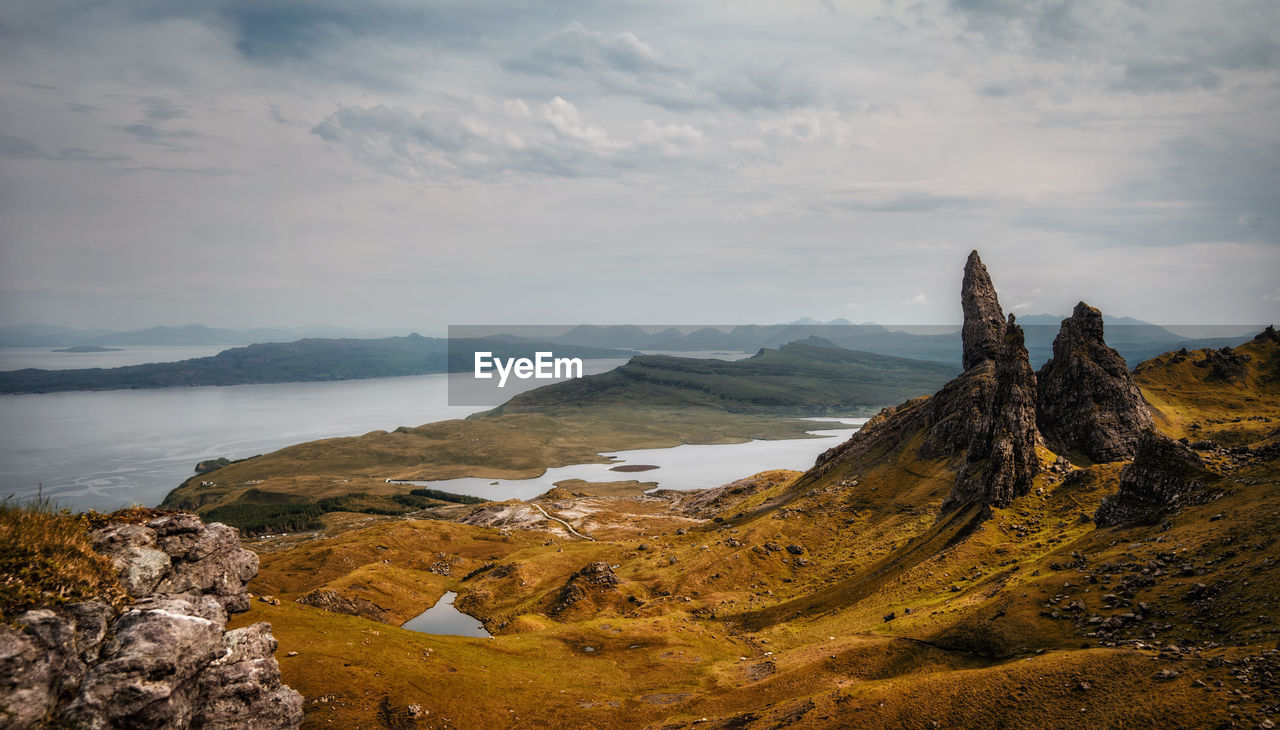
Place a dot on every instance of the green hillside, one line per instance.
(795, 378)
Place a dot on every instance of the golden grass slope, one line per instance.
(1233, 405)
(836, 600)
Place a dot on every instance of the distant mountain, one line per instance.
(799, 378)
(595, 336)
(1135, 339)
(301, 361)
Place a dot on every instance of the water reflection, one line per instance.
(444, 618)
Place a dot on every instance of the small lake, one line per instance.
(690, 466)
(444, 618)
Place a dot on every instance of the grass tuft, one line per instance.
(47, 558)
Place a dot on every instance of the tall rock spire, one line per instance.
(1087, 402)
(1000, 457)
(984, 324)
(983, 422)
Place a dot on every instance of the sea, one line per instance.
(109, 449)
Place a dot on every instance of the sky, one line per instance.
(393, 163)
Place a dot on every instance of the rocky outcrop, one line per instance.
(1224, 364)
(987, 415)
(1087, 402)
(1164, 477)
(594, 584)
(208, 465)
(1000, 456)
(167, 661)
(334, 602)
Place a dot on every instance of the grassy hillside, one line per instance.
(837, 599)
(510, 446)
(796, 378)
(1232, 397)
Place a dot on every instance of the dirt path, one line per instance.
(567, 526)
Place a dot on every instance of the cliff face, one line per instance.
(1164, 477)
(167, 661)
(1087, 401)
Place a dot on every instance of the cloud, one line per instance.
(918, 300)
(498, 139)
(623, 64)
(151, 134)
(742, 141)
(20, 149)
(1129, 47)
(886, 198)
(1154, 75)
(576, 48)
(158, 109)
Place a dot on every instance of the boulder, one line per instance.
(334, 602)
(1164, 477)
(145, 678)
(245, 682)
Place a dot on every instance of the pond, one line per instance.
(444, 618)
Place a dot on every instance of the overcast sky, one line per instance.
(393, 163)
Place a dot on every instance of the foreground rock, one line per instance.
(167, 661)
(1087, 402)
(1164, 477)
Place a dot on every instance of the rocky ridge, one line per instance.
(167, 660)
